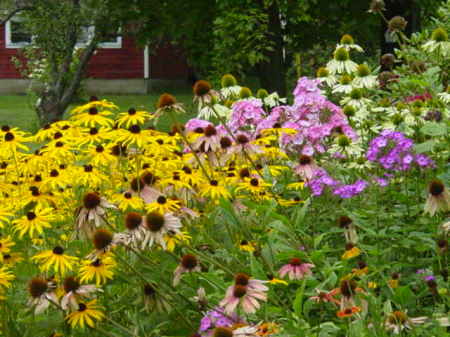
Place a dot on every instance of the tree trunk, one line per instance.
(272, 74)
(48, 108)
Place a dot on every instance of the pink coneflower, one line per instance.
(143, 187)
(244, 143)
(296, 269)
(438, 198)
(397, 321)
(135, 231)
(157, 225)
(210, 141)
(90, 215)
(73, 290)
(306, 167)
(188, 264)
(42, 294)
(246, 292)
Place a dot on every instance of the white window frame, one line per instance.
(104, 45)
(90, 32)
(8, 43)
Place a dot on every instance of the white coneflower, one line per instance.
(364, 77)
(439, 42)
(323, 74)
(397, 321)
(230, 88)
(348, 43)
(341, 63)
(344, 86)
(438, 198)
(90, 215)
(445, 96)
(356, 99)
(157, 225)
(273, 100)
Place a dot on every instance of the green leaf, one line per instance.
(434, 129)
(298, 301)
(427, 146)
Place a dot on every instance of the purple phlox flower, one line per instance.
(214, 318)
(196, 123)
(429, 278)
(246, 112)
(349, 191)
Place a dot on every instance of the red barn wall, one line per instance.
(121, 63)
(7, 69)
(167, 62)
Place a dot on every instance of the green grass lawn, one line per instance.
(18, 110)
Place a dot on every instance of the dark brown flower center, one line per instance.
(210, 131)
(132, 111)
(241, 279)
(305, 160)
(133, 220)
(189, 261)
(154, 221)
(135, 129)
(58, 250)
(161, 200)
(31, 216)
(102, 239)
(71, 284)
(93, 111)
(239, 291)
(295, 261)
(91, 200)
(9, 137)
(436, 188)
(37, 287)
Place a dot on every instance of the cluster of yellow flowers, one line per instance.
(109, 179)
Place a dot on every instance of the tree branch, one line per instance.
(14, 12)
(87, 54)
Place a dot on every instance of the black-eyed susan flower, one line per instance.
(11, 258)
(274, 281)
(41, 294)
(34, 222)
(86, 314)
(93, 117)
(101, 269)
(5, 245)
(126, 201)
(351, 251)
(253, 185)
(172, 239)
(215, 189)
(394, 281)
(6, 276)
(247, 246)
(162, 204)
(55, 260)
(133, 117)
(13, 140)
(5, 215)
